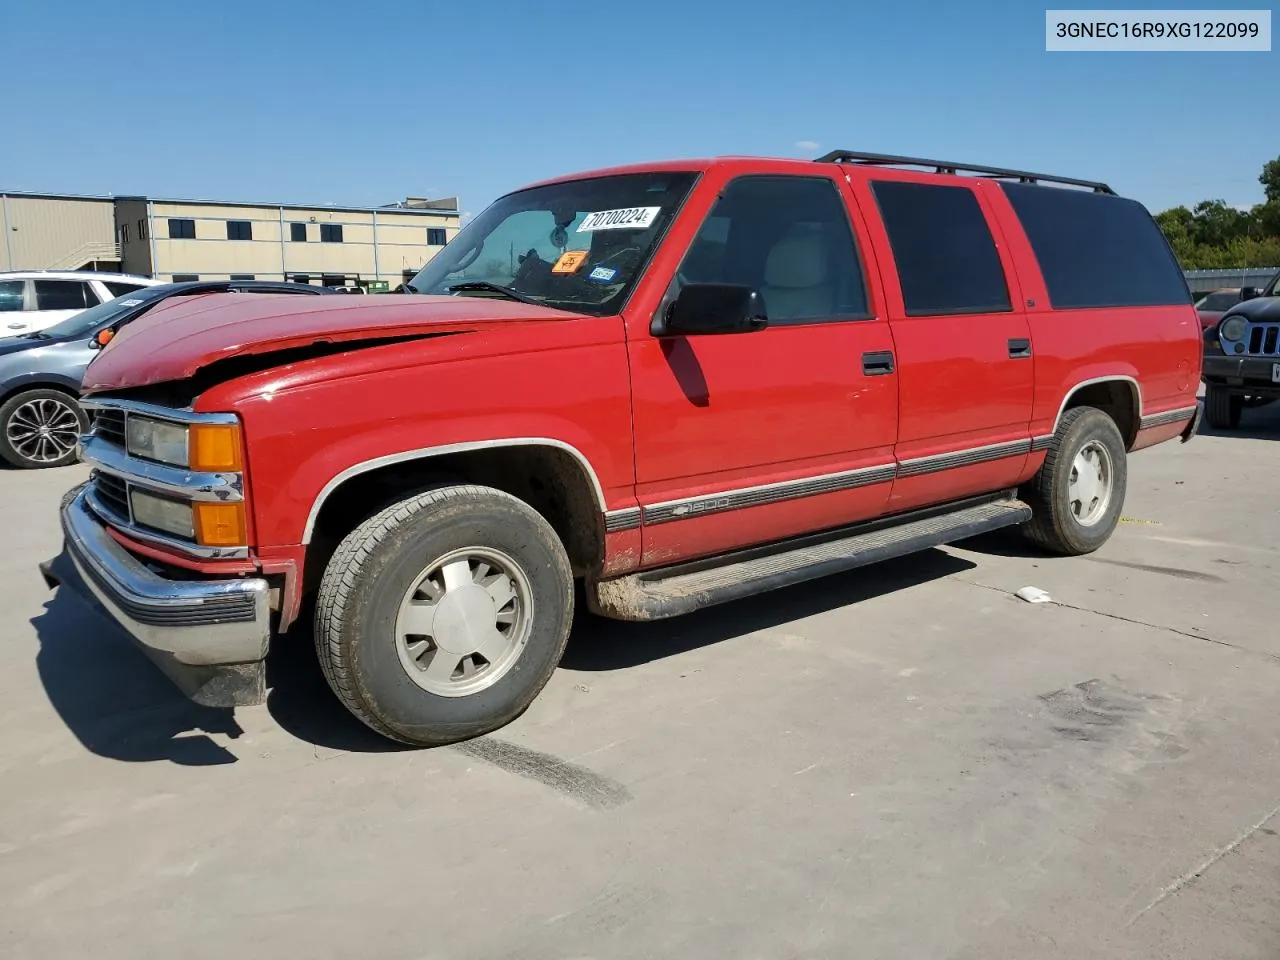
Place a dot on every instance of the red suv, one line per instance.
(679, 383)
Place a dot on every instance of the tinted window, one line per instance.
(182, 229)
(63, 295)
(1218, 301)
(789, 238)
(298, 232)
(1097, 250)
(142, 229)
(239, 230)
(124, 233)
(11, 295)
(946, 258)
(120, 289)
(436, 237)
(330, 233)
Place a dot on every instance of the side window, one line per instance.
(946, 257)
(789, 238)
(11, 295)
(120, 289)
(63, 295)
(91, 298)
(1096, 250)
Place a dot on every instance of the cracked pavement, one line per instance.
(905, 761)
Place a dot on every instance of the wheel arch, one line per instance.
(1117, 395)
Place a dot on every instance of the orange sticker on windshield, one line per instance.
(570, 261)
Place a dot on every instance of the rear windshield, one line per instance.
(1097, 250)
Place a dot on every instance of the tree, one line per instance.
(1270, 180)
(1214, 235)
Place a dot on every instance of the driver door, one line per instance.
(745, 438)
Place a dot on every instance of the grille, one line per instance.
(112, 492)
(109, 425)
(1264, 339)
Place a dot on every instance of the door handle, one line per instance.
(877, 363)
(1019, 348)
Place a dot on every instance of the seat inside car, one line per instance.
(797, 277)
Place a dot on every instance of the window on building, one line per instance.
(436, 237)
(142, 229)
(64, 295)
(11, 293)
(946, 258)
(239, 230)
(789, 238)
(242, 276)
(182, 229)
(330, 233)
(298, 232)
(124, 233)
(185, 277)
(300, 278)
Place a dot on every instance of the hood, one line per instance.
(174, 341)
(1257, 310)
(20, 344)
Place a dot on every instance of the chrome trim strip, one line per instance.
(424, 452)
(1041, 443)
(1166, 417)
(175, 481)
(962, 458)
(127, 528)
(199, 622)
(767, 493)
(172, 414)
(618, 520)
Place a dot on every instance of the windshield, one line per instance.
(1273, 288)
(578, 245)
(87, 321)
(1218, 301)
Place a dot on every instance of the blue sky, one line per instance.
(369, 102)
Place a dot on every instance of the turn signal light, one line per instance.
(214, 447)
(219, 524)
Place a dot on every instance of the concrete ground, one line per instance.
(902, 762)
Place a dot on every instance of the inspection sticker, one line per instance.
(628, 218)
(569, 261)
(603, 274)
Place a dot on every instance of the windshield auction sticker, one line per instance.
(628, 218)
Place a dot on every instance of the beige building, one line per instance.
(372, 247)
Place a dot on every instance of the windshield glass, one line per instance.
(578, 245)
(87, 321)
(1273, 288)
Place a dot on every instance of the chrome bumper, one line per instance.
(209, 636)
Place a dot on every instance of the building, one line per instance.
(372, 247)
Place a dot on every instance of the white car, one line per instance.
(31, 300)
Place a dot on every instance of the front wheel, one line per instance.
(1079, 491)
(40, 428)
(442, 617)
(1222, 408)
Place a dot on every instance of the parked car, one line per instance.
(1213, 305)
(35, 299)
(1242, 357)
(679, 383)
(40, 373)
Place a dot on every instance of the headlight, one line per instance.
(1231, 328)
(157, 440)
(163, 514)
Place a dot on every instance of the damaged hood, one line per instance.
(178, 339)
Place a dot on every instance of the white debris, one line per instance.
(1034, 595)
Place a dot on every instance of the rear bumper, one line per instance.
(209, 636)
(1245, 374)
(1193, 427)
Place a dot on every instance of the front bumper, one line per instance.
(209, 636)
(1246, 374)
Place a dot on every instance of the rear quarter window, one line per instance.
(1096, 250)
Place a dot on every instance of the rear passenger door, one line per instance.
(57, 300)
(961, 337)
(13, 295)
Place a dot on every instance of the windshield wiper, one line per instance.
(408, 287)
(494, 288)
(36, 335)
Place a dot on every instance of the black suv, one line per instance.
(1242, 357)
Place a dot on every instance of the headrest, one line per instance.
(797, 261)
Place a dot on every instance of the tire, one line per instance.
(1222, 409)
(367, 604)
(23, 415)
(1057, 527)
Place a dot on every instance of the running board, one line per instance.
(658, 594)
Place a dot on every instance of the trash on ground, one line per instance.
(1034, 595)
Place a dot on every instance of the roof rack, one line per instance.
(946, 166)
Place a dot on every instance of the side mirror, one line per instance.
(101, 338)
(712, 308)
(1248, 293)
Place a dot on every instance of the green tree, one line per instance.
(1270, 180)
(1214, 235)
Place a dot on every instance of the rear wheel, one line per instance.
(1077, 495)
(40, 428)
(442, 617)
(1222, 408)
